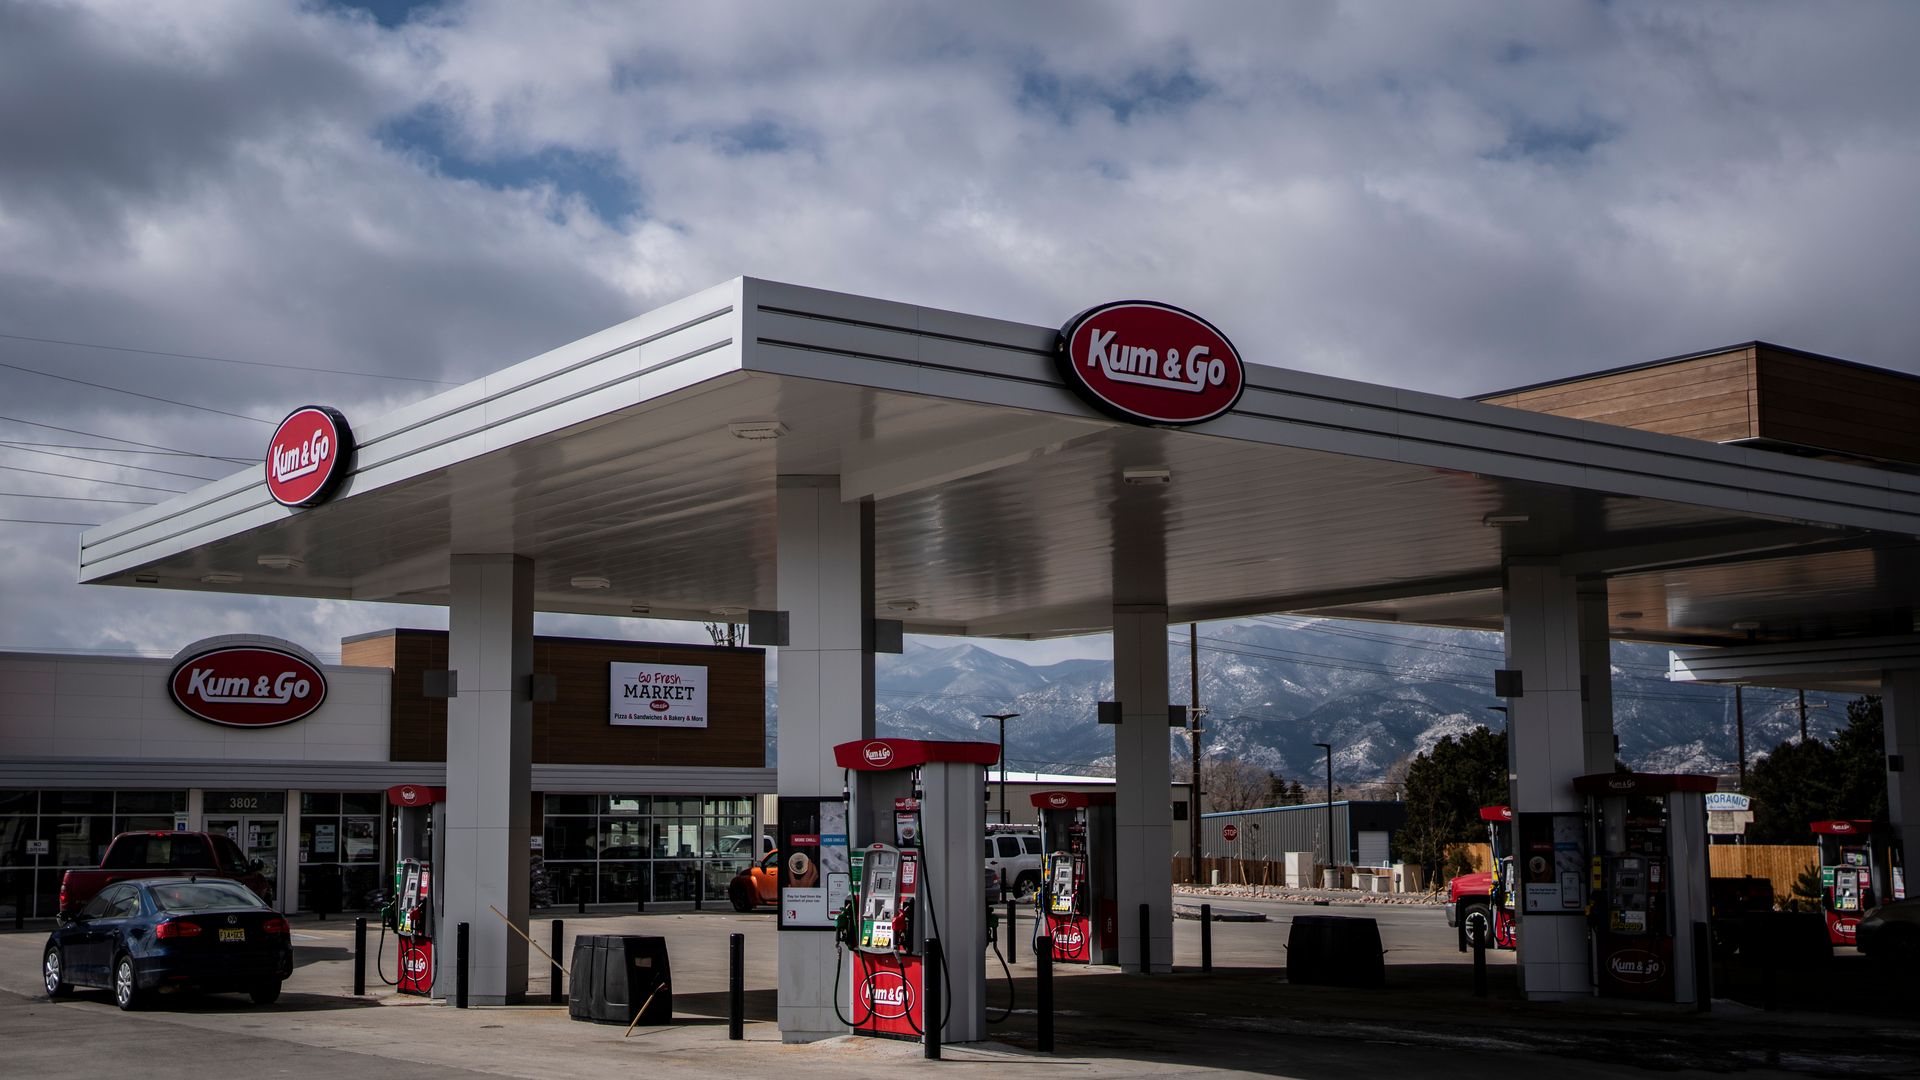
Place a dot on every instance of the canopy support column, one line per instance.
(489, 776)
(825, 674)
(1900, 713)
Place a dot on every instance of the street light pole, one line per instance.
(1328, 747)
(1003, 718)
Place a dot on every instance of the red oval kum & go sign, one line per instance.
(247, 686)
(1150, 363)
(308, 455)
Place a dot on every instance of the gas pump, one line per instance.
(1649, 900)
(1076, 831)
(1859, 870)
(413, 904)
(1501, 890)
(915, 822)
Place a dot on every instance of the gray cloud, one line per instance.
(1456, 197)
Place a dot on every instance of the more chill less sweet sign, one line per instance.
(657, 695)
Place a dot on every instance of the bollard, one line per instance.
(640, 905)
(460, 967)
(1043, 987)
(556, 987)
(1702, 968)
(736, 986)
(360, 956)
(930, 1008)
(583, 903)
(1146, 939)
(1013, 939)
(20, 891)
(1206, 937)
(699, 896)
(1479, 966)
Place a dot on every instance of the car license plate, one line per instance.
(233, 933)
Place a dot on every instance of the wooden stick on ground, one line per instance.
(530, 941)
(643, 1009)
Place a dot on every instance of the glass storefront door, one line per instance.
(259, 837)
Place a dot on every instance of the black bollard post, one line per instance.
(736, 986)
(20, 892)
(360, 956)
(1702, 968)
(460, 967)
(1013, 939)
(1479, 966)
(583, 903)
(930, 998)
(1146, 939)
(1206, 937)
(1043, 986)
(556, 985)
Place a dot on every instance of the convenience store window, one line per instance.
(626, 848)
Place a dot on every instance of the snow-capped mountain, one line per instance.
(1274, 687)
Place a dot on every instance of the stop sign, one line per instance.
(1230, 833)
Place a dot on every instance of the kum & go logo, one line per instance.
(243, 684)
(307, 456)
(1151, 363)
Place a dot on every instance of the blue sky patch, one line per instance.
(594, 177)
(1554, 141)
(1142, 91)
(388, 13)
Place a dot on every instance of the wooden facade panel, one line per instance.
(1839, 407)
(1708, 397)
(574, 729)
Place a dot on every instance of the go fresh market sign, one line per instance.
(657, 695)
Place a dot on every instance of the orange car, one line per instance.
(757, 884)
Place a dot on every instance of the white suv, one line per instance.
(1014, 852)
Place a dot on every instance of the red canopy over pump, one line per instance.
(880, 755)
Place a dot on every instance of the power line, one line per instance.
(138, 394)
(73, 498)
(129, 442)
(110, 464)
(91, 480)
(23, 444)
(224, 360)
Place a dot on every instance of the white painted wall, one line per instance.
(65, 706)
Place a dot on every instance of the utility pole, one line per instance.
(1740, 731)
(1803, 716)
(1194, 713)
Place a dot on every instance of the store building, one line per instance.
(622, 812)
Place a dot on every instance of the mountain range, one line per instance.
(1275, 686)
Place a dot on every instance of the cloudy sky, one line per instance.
(208, 203)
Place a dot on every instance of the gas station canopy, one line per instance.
(638, 469)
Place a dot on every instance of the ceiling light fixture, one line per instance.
(146, 579)
(1501, 521)
(757, 430)
(903, 606)
(1140, 476)
(280, 562)
(640, 609)
(1629, 616)
(590, 581)
(222, 577)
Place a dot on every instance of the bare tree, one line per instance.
(1232, 784)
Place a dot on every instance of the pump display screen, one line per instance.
(1060, 890)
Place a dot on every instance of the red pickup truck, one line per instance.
(164, 854)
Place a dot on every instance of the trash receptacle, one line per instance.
(614, 975)
(1335, 950)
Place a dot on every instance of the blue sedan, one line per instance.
(139, 938)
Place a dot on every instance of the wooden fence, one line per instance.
(1778, 863)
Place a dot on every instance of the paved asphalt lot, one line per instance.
(1242, 1019)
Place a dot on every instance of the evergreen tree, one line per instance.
(1798, 783)
(1445, 790)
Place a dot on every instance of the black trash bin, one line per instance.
(1335, 950)
(614, 975)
